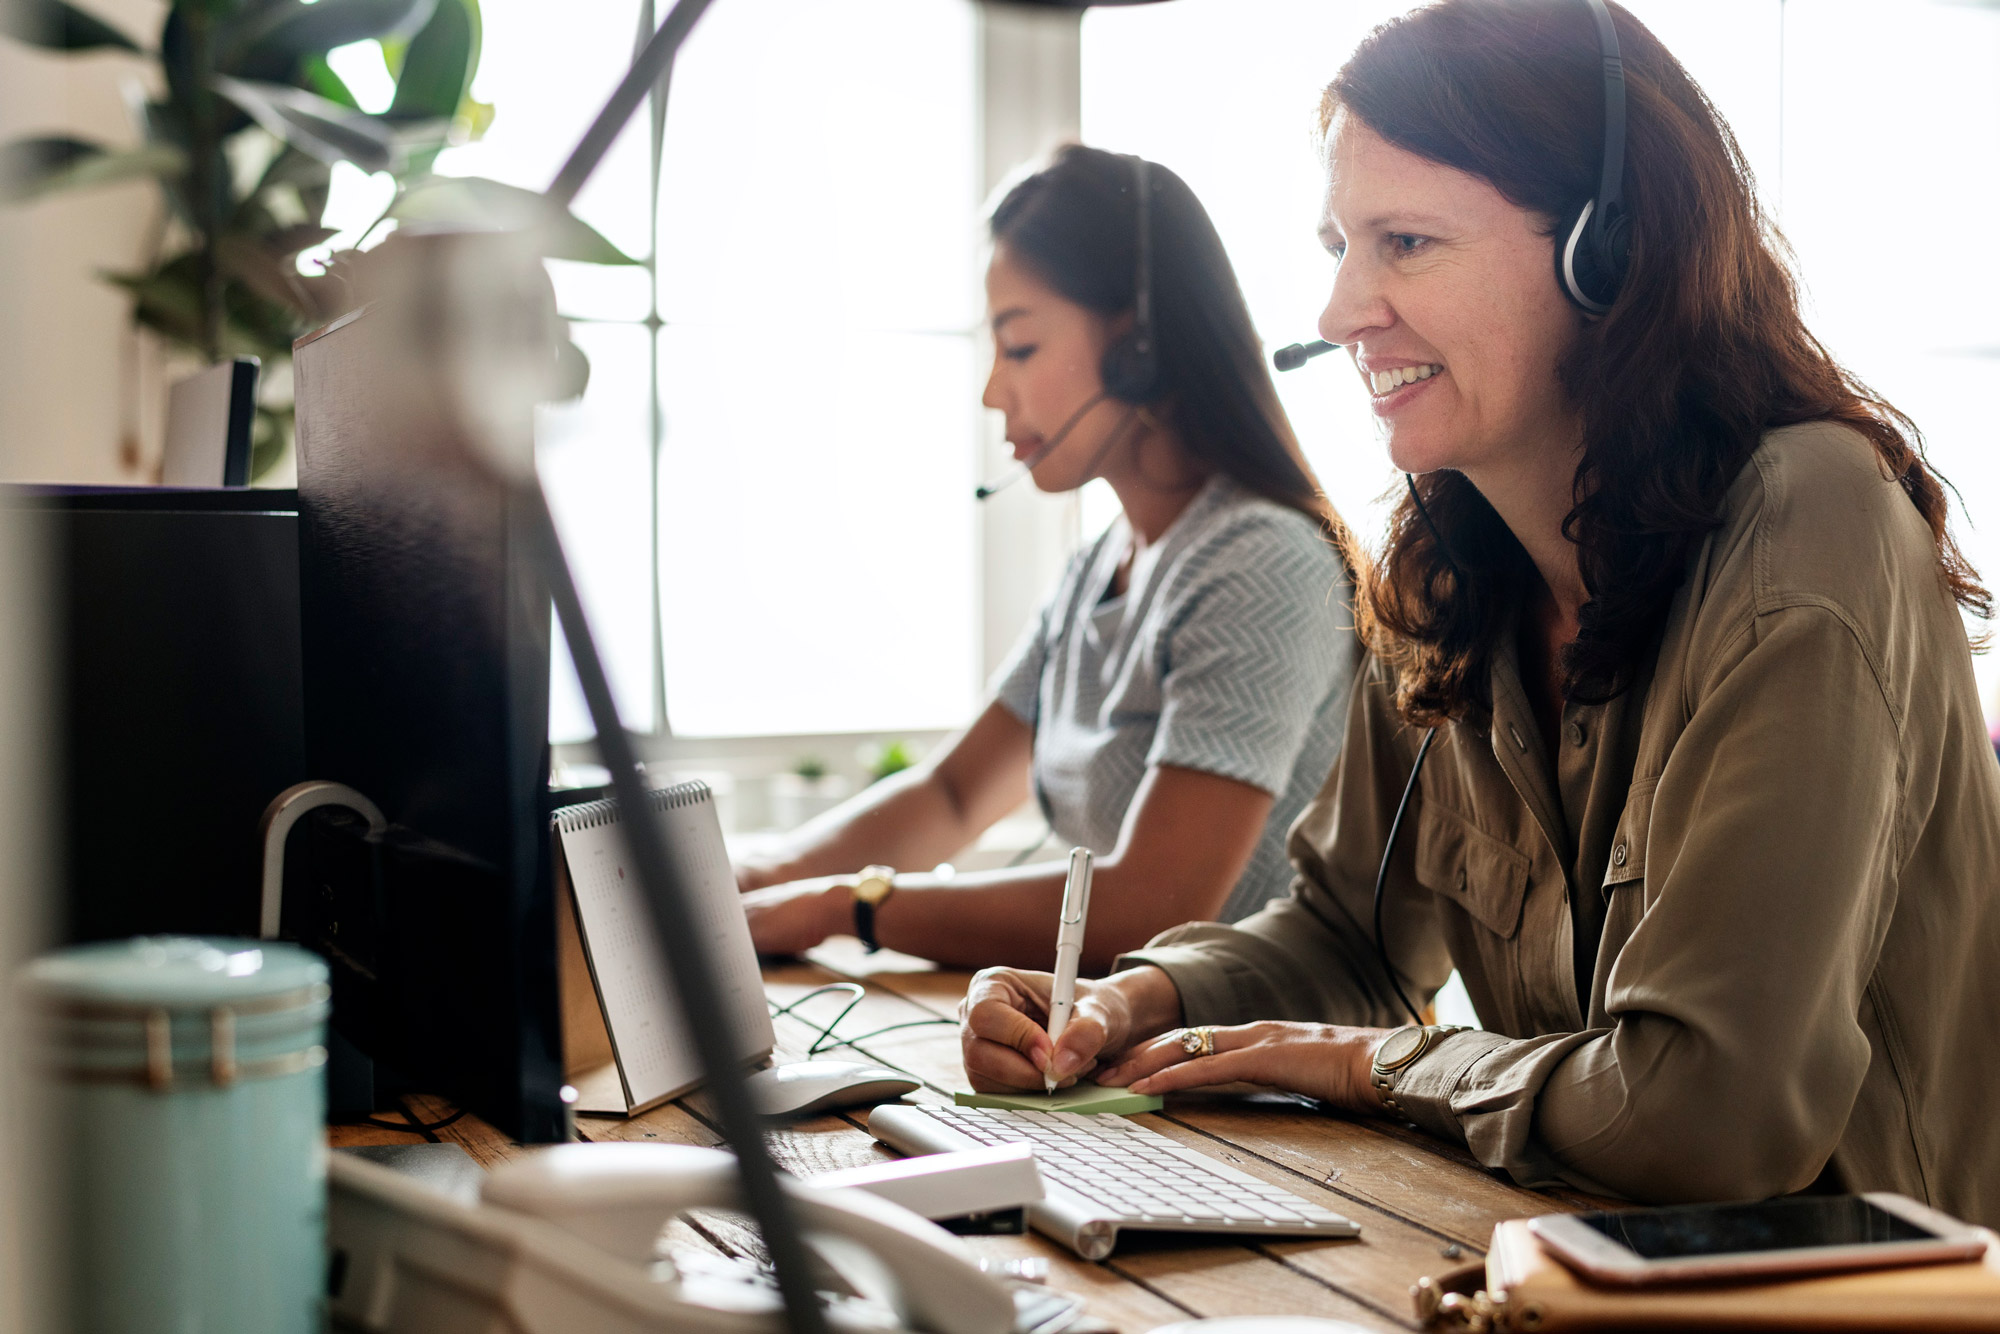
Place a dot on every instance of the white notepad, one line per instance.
(648, 1037)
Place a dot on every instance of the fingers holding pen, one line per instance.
(1000, 1029)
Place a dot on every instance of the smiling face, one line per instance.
(1446, 299)
(1047, 364)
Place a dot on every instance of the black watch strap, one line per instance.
(864, 925)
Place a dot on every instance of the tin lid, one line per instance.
(177, 972)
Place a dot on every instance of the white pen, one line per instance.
(1069, 946)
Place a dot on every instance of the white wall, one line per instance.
(68, 408)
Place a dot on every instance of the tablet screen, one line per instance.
(1771, 1225)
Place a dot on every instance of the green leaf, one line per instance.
(437, 65)
(316, 76)
(167, 300)
(474, 201)
(280, 34)
(312, 124)
(60, 27)
(45, 165)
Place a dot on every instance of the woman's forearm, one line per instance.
(907, 819)
(1009, 916)
(916, 818)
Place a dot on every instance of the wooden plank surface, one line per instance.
(1423, 1208)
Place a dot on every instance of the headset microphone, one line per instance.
(1034, 460)
(1295, 355)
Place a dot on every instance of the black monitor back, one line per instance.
(175, 616)
(426, 636)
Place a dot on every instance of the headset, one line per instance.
(1130, 369)
(1131, 366)
(1590, 263)
(1590, 269)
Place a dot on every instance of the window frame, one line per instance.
(1028, 64)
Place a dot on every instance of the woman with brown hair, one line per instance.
(1181, 693)
(1668, 681)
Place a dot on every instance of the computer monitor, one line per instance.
(426, 673)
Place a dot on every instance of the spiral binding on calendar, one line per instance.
(597, 814)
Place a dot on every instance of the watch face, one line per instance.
(873, 889)
(1399, 1048)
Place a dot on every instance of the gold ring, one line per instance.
(1198, 1041)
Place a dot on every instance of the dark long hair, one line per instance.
(1703, 352)
(1074, 224)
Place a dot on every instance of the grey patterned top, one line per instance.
(1232, 652)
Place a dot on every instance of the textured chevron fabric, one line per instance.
(1232, 652)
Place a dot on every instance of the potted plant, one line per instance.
(242, 138)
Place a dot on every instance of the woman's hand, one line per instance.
(1331, 1062)
(1002, 1025)
(792, 918)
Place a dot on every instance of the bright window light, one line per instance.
(819, 265)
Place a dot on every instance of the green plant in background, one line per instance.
(810, 767)
(889, 758)
(242, 139)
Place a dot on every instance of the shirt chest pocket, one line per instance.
(1468, 866)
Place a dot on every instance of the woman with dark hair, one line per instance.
(1709, 824)
(1181, 694)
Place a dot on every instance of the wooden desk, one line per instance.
(1423, 1208)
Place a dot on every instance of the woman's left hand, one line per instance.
(792, 918)
(1331, 1062)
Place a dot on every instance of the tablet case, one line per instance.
(1528, 1289)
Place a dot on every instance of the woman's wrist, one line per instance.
(1150, 1001)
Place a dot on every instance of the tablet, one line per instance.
(1798, 1234)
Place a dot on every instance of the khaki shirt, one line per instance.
(1791, 830)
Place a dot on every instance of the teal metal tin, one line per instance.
(190, 1102)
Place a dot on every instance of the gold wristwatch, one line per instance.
(872, 889)
(1400, 1050)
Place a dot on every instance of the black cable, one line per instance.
(827, 1039)
(1382, 875)
(1423, 512)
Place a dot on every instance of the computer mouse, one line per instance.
(808, 1087)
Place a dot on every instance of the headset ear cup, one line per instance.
(1573, 260)
(1131, 371)
(1590, 257)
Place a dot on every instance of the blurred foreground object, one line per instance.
(27, 1242)
(188, 1106)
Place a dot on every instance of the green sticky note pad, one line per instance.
(1080, 1097)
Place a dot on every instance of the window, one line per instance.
(765, 492)
(819, 237)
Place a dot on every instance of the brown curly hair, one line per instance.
(1703, 352)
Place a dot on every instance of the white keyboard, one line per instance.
(1104, 1173)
